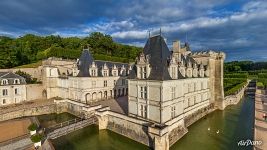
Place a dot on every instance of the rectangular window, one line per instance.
(143, 72)
(105, 83)
(173, 112)
(114, 73)
(93, 72)
(173, 92)
(4, 92)
(143, 111)
(115, 82)
(202, 86)
(105, 73)
(16, 91)
(4, 101)
(93, 84)
(123, 81)
(143, 92)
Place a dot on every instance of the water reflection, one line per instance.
(234, 124)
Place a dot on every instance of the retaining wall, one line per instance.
(234, 99)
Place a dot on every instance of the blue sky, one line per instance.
(237, 27)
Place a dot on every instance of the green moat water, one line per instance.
(52, 119)
(235, 123)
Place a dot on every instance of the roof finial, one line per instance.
(148, 33)
(160, 31)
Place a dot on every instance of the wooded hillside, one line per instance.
(32, 48)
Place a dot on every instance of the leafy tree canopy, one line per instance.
(32, 48)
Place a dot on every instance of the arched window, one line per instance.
(16, 81)
(4, 82)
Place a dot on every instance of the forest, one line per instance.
(31, 48)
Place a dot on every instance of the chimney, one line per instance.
(176, 46)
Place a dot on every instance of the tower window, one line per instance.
(143, 72)
(143, 92)
(143, 111)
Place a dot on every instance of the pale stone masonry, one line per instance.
(86, 80)
(167, 90)
(12, 88)
(165, 87)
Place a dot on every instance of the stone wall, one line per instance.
(35, 91)
(130, 127)
(34, 72)
(194, 117)
(32, 111)
(234, 99)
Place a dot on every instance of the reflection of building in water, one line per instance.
(166, 86)
(86, 80)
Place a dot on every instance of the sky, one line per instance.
(236, 27)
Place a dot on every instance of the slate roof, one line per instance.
(10, 76)
(84, 63)
(159, 54)
(86, 59)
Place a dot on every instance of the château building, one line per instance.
(165, 85)
(88, 80)
(12, 88)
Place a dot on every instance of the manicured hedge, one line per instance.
(234, 89)
(236, 75)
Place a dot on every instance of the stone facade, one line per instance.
(86, 80)
(12, 88)
(184, 82)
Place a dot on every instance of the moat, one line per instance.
(235, 123)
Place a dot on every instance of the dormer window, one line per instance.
(143, 72)
(105, 73)
(93, 72)
(114, 73)
(4, 82)
(123, 73)
(16, 81)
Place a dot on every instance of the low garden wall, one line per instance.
(234, 99)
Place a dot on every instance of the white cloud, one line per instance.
(131, 34)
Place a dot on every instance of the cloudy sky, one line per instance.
(237, 27)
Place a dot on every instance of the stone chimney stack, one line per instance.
(176, 46)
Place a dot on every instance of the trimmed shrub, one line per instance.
(37, 138)
(32, 127)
